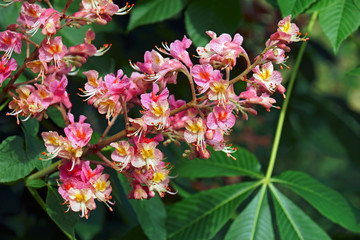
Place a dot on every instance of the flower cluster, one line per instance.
(52, 62)
(201, 123)
(81, 185)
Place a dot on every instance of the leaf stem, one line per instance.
(286, 103)
(52, 168)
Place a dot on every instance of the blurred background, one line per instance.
(321, 135)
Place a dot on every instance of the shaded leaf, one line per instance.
(246, 164)
(254, 222)
(36, 183)
(202, 215)
(220, 17)
(34, 148)
(150, 213)
(66, 221)
(338, 21)
(354, 72)
(292, 222)
(326, 200)
(146, 12)
(14, 164)
(88, 228)
(294, 7)
(31, 126)
(55, 116)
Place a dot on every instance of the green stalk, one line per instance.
(286, 103)
(52, 168)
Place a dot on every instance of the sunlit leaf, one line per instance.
(202, 215)
(254, 222)
(292, 222)
(338, 21)
(327, 201)
(294, 7)
(146, 12)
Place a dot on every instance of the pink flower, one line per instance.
(148, 98)
(147, 155)
(157, 114)
(178, 51)
(89, 175)
(58, 88)
(117, 85)
(29, 16)
(195, 132)
(219, 91)
(253, 97)
(221, 118)
(81, 199)
(123, 153)
(79, 133)
(54, 50)
(203, 75)
(6, 67)
(266, 78)
(10, 41)
(50, 22)
(221, 51)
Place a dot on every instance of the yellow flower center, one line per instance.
(158, 176)
(100, 185)
(80, 197)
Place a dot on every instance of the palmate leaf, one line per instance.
(254, 222)
(294, 7)
(202, 215)
(246, 164)
(292, 222)
(150, 213)
(146, 12)
(327, 201)
(339, 20)
(218, 16)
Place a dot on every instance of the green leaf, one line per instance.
(254, 222)
(221, 18)
(146, 12)
(14, 164)
(55, 116)
(31, 126)
(319, 5)
(246, 164)
(66, 221)
(73, 36)
(354, 72)
(9, 15)
(338, 21)
(292, 222)
(36, 183)
(88, 228)
(294, 7)
(202, 215)
(34, 148)
(151, 214)
(326, 200)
